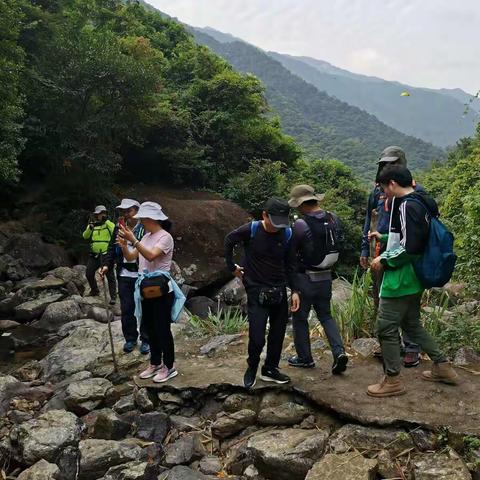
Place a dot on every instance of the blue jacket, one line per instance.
(177, 303)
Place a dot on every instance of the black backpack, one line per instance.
(326, 238)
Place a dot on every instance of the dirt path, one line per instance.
(427, 404)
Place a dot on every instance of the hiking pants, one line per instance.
(403, 312)
(257, 326)
(318, 295)
(157, 320)
(95, 261)
(126, 289)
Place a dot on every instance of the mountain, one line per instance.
(472, 101)
(325, 126)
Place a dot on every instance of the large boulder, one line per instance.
(45, 436)
(201, 306)
(97, 456)
(287, 454)
(34, 308)
(42, 470)
(57, 314)
(233, 293)
(83, 397)
(347, 466)
(441, 466)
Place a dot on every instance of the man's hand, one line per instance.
(238, 272)
(374, 235)
(102, 270)
(295, 302)
(364, 262)
(376, 264)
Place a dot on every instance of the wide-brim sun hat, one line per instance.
(100, 209)
(303, 193)
(150, 210)
(127, 203)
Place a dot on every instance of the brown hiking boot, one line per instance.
(388, 387)
(441, 372)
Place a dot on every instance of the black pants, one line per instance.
(126, 289)
(257, 321)
(93, 264)
(318, 295)
(157, 319)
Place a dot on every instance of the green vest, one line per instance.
(99, 236)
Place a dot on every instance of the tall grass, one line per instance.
(225, 322)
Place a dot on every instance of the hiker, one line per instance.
(377, 219)
(316, 240)
(154, 253)
(99, 231)
(127, 274)
(263, 271)
(401, 290)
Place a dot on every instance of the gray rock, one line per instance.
(185, 424)
(182, 472)
(167, 397)
(275, 399)
(12, 268)
(107, 425)
(387, 467)
(357, 436)
(34, 308)
(347, 466)
(58, 313)
(233, 293)
(287, 454)
(210, 465)
(30, 371)
(46, 283)
(143, 400)
(46, 436)
(127, 471)
(7, 347)
(75, 275)
(69, 462)
(240, 401)
(97, 456)
(341, 291)
(251, 472)
(201, 306)
(424, 440)
(42, 470)
(218, 343)
(441, 466)
(125, 404)
(84, 396)
(152, 426)
(365, 346)
(227, 424)
(286, 414)
(466, 356)
(6, 325)
(185, 450)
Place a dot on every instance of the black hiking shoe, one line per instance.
(339, 364)
(250, 377)
(298, 362)
(273, 375)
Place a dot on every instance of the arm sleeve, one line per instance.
(298, 241)
(365, 245)
(241, 234)
(87, 234)
(165, 244)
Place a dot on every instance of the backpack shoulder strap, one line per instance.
(253, 228)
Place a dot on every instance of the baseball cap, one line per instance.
(127, 203)
(392, 154)
(278, 211)
(100, 209)
(150, 210)
(303, 193)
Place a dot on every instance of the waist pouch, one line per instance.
(129, 266)
(154, 287)
(271, 296)
(319, 276)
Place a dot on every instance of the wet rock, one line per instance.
(365, 346)
(42, 470)
(228, 424)
(466, 356)
(30, 371)
(107, 425)
(286, 414)
(7, 325)
(69, 462)
(347, 466)
(84, 396)
(287, 454)
(201, 306)
(127, 471)
(218, 343)
(143, 400)
(46, 436)
(125, 404)
(184, 451)
(233, 293)
(365, 438)
(59, 313)
(210, 465)
(152, 426)
(441, 466)
(182, 472)
(97, 456)
(240, 401)
(34, 308)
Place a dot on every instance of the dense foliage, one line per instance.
(324, 126)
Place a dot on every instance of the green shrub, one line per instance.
(224, 322)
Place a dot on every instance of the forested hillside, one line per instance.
(323, 125)
(435, 117)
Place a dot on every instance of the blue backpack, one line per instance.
(254, 227)
(435, 267)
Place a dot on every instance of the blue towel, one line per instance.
(179, 296)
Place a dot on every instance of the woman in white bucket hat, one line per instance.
(154, 253)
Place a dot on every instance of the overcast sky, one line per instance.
(428, 43)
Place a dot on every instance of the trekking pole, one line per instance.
(115, 366)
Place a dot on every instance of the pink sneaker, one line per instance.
(165, 374)
(151, 371)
